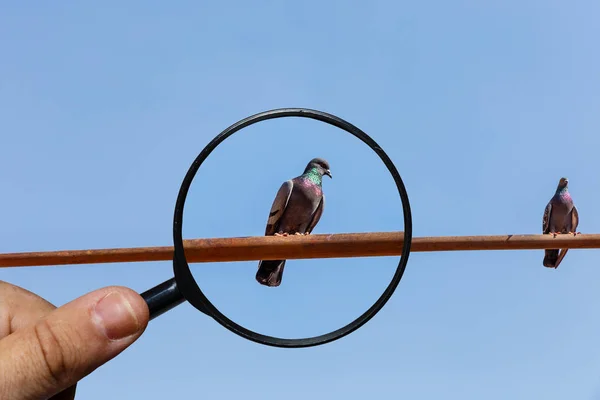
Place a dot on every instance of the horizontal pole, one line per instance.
(339, 245)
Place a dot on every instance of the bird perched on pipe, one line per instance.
(560, 216)
(296, 210)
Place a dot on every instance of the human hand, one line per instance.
(45, 351)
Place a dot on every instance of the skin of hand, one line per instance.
(45, 351)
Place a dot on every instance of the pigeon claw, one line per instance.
(299, 234)
(554, 233)
(574, 233)
(280, 234)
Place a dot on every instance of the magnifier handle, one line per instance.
(163, 298)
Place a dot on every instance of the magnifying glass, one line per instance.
(184, 286)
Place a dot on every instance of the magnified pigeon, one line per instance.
(296, 210)
(560, 216)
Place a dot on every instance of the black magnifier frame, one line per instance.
(183, 286)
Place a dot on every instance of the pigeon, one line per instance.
(296, 210)
(560, 216)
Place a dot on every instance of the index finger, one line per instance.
(20, 308)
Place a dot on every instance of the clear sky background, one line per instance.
(482, 106)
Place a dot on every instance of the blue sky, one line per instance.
(481, 106)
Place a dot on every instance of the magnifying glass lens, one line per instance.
(301, 192)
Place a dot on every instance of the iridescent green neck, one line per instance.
(314, 176)
(563, 190)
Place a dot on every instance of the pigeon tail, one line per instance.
(550, 258)
(270, 272)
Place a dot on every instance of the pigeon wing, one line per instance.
(316, 215)
(278, 207)
(546, 218)
(574, 219)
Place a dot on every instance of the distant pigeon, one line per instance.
(560, 216)
(296, 210)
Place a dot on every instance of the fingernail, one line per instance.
(115, 317)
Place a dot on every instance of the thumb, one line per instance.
(70, 342)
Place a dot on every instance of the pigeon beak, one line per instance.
(328, 173)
